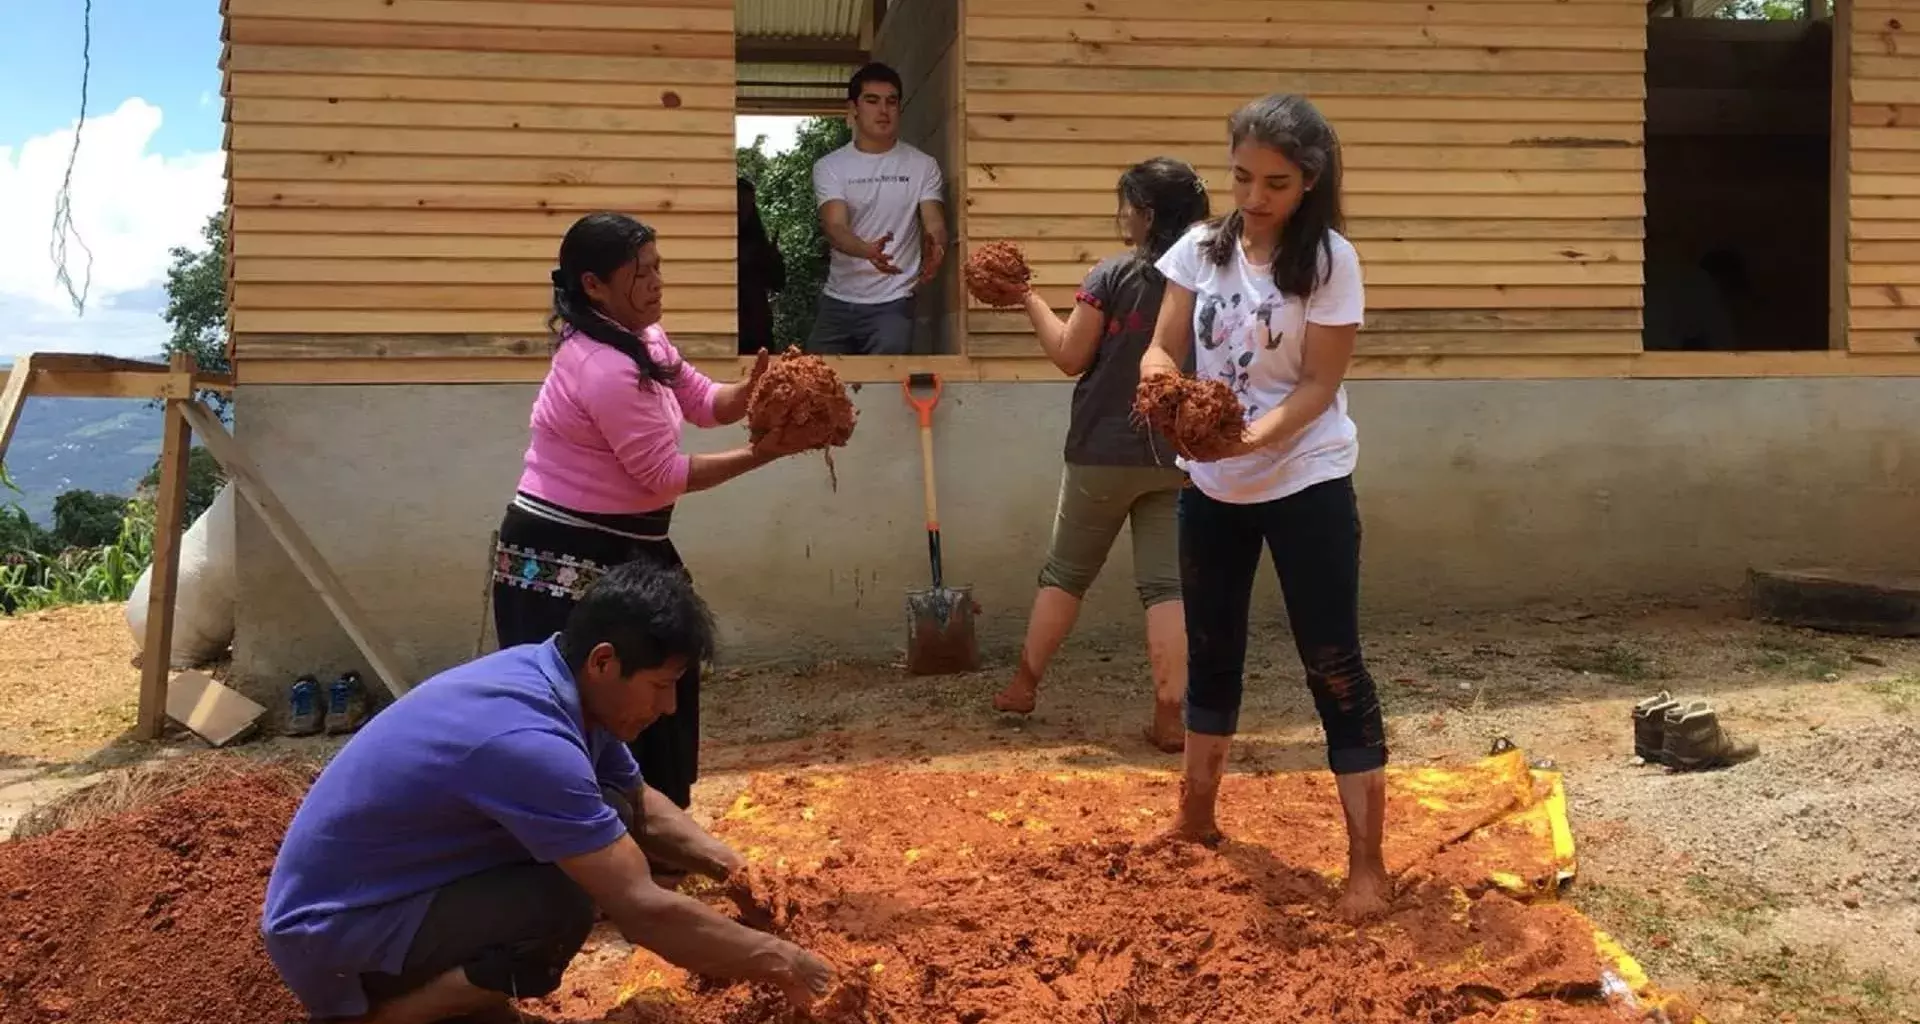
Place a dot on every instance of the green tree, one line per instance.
(1763, 10)
(785, 185)
(19, 534)
(87, 519)
(197, 304)
(204, 478)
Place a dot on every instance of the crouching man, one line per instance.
(451, 857)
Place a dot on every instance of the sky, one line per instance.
(149, 171)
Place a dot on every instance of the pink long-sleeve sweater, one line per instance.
(603, 442)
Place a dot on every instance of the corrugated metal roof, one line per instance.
(794, 81)
(798, 19)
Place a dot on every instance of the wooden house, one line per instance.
(1545, 194)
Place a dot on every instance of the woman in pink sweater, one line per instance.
(604, 468)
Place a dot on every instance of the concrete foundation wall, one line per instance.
(1473, 493)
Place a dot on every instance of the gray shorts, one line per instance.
(851, 329)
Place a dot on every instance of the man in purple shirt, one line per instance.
(450, 857)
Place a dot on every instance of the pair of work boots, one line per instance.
(346, 708)
(1685, 736)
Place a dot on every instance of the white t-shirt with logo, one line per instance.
(883, 192)
(1249, 336)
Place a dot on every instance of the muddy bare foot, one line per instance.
(1164, 740)
(1367, 895)
(1196, 826)
(1018, 698)
(1167, 733)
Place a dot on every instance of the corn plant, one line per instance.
(32, 581)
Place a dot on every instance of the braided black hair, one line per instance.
(599, 244)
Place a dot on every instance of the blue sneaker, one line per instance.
(303, 707)
(346, 704)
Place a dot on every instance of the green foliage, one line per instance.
(204, 478)
(1763, 10)
(85, 519)
(100, 543)
(32, 580)
(197, 303)
(785, 185)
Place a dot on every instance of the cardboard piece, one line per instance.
(213, 711)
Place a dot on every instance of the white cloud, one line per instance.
(128, 205)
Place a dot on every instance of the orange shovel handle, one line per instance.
(923, 406)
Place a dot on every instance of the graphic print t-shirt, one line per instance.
(1252, 338)
(883, 193)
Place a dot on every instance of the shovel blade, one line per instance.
(940, 637)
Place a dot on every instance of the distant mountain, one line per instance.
(89, 444)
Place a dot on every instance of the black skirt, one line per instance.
(545, 559)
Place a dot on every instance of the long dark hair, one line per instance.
(1172, 193)
(599, 244)
(1296, 128)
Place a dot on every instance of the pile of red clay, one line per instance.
(997, 274)
(1031, 899)
(985, 898)
(152, 917)
(801, 403)
(1202, 418)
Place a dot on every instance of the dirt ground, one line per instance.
(1786, 889)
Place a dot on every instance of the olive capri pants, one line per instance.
(1095, 501)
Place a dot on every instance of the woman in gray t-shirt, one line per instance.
(1116, 471)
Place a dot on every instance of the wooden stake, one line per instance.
(169, 510)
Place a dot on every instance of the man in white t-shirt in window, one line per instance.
(881, 208)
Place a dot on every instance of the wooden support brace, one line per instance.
(169, 511)
(246, 479)
(13, 398)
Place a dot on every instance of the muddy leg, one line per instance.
(1167, 653)
(1363, 798)
(1206, 764)
(1054, 612)
(447, 996)
(1219, 553)
(1315, 540)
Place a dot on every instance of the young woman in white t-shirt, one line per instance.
(1268, 300)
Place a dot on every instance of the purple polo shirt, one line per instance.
(487, 764)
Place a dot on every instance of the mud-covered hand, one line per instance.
(760, 363)
(805, 979)
(932, 255)
(877, 255)
(761, 896)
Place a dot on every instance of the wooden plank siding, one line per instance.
(401, 171)
(919, 39)
(1493, 150)
(1883, 176)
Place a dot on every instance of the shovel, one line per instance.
(940, 636)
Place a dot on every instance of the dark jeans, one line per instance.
(513, 929)
(852, 329)
(1314, 538)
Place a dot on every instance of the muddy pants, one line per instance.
(1095, 501)
(1314, 539)
(512, 929)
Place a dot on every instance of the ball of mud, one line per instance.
(801, 403)
(1202, 418)
(997, 274)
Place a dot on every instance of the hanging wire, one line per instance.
(63, 200)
